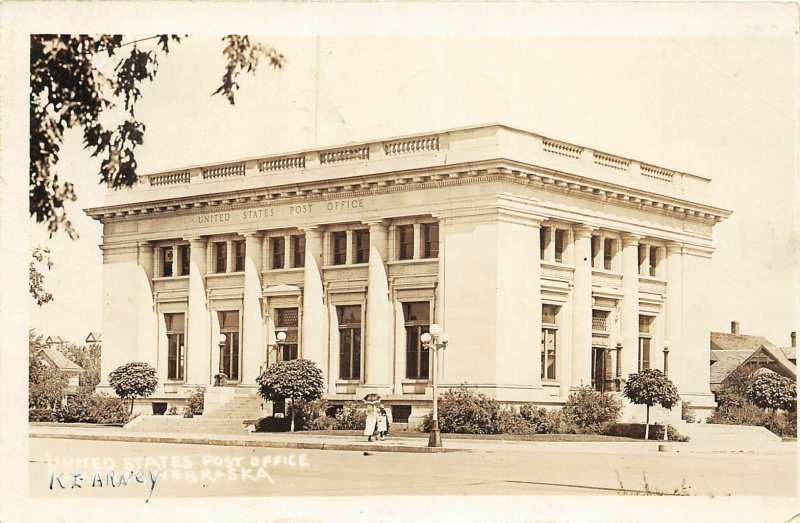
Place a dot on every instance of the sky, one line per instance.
(721, 106)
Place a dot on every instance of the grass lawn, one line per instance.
(399, 433)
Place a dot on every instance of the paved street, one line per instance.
(78, 468)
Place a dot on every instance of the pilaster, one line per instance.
(582, 308)
(314, 324)
(253, 346)
(629, 311)
(198, 343)
(377, 353)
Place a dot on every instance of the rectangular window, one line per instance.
(549, 341)
(417, 322)
(430, 240)
(608, 253)
(653, 260)
(175, 346)
(645, 339)
(238, 253)
(221, 252)
(361, 240)
(599, 320)
(542, 242)
(183, 252)
(298, 251)
(286, 320)
(405, 235)
(166, 261)
(595, 249)
(642, 255)
(339, 240)
(276, 245)
(349, 317)
(560, 245)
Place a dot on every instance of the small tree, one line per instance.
(297, 380)
(134, 380)
(650, 387)
(773, 392)
(46, 383)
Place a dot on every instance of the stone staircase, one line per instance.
(226, 411)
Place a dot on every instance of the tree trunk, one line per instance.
(131, 407)
(292, 415)
(647, 425)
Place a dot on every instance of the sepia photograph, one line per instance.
(399, 261)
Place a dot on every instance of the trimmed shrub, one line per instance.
(195, 401)
(745, 414)
(542, 420)
(322, 423)
(637, 431)
(92, 408)
(509, 421)
(687, 412)
(273, 424)
(353, 416)
(172, 410)
(311, 410)
(772, 391)
(588, 411)
(41, 415)
(464, 411)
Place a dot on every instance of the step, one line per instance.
(725, 435)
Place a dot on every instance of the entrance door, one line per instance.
(599, 368)
(229, 326)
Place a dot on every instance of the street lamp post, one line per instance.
(221, 378)
(433, 341)
(666, 357)
(620, 341)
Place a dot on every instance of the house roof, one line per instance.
(728, 341)
(790, 352)
(58, 359)
(726, 362)
(93, 337)
(729, 360)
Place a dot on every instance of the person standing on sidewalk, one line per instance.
(383, 423)
(372, 420)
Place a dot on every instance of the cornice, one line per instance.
(418, 179)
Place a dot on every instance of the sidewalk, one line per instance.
(392, 444)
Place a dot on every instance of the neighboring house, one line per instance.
(53, 357)
(54, 340)
(732, 351)
(93, 338)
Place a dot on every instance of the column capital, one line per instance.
(252, 235)
(629, 239)
(582, 230)
(145, 245)
(195, 239)
(311, 229)
(378, 222)
(674, 248)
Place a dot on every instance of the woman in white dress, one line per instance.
(372, 420)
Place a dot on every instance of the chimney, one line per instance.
(794, 338)
(735, 327)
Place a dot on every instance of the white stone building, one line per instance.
(549, 264)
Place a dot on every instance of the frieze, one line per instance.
(261, 214)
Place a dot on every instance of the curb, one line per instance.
(250, 443)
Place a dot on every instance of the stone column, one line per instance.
(314, 325)
(198, 343)
(551, 244)
(582, 308)
(147, 341)
(674, 310)
(629, 312)
(378, 346)
(253, 346)
(349, 256)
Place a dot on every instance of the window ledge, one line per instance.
(223, 274)
(415, 381)
(348, 382)
(171, 278)
(411, 261)
(550, 383)
(345, 266)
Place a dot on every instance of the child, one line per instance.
(383, 423)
